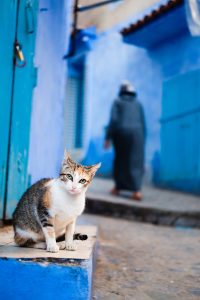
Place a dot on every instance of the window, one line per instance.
(74, 110)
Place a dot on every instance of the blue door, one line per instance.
(19, 20)
(8, 14)
(180, 145)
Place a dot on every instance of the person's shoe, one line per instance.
(137, 196)
(114, 192)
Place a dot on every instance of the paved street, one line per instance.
(139, 261)
(152, 197)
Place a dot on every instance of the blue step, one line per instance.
(27, 273)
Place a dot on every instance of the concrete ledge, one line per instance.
(27, 273)
(128, 209)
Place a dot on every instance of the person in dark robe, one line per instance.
(127, 131)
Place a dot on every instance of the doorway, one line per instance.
(18, 78)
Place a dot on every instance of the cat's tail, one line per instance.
(80, 236)
(77, 236)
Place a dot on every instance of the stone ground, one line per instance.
(152, 197)
(139, 261)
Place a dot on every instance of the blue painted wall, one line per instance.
(112, 61)
(47, 142)
(102, 80)
(104, 74)
(177, 56)
(186, 60)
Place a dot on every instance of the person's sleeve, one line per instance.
(113, 121)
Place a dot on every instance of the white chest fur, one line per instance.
(64, 207)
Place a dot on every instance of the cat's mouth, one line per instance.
(74, 192)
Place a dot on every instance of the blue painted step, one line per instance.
(27, 273)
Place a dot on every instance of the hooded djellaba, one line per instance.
(127, 132)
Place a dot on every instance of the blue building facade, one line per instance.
(102, 66)
(161, 58)
(52, 103)
(175, 52)
(105, 74)
(47, 120)
(105, 66)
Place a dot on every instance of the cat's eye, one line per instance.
(69, 176)
(82, 181)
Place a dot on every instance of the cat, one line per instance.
(50, 207)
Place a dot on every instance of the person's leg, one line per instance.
(137, 196)
(137, 164)
(117, 165)
(115, 191)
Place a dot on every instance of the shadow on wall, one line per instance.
(96, 151)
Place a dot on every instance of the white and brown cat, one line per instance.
(50, 207)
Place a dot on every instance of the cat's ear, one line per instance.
(93, 168)
(66, 155)
(67, 161)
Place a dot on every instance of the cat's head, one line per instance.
(75, 176)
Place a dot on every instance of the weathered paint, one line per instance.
(8, 11)
(37, 274)
(16, 100)
(42, 280)
(47, 115)
(21, 111)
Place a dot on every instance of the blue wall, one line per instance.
(180, 56)
(112, 61)
(104, 74)
(47, 144)
(177, 56)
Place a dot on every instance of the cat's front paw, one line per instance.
(70, 247)
(67, 246)
(62, 245)
(52, 247)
